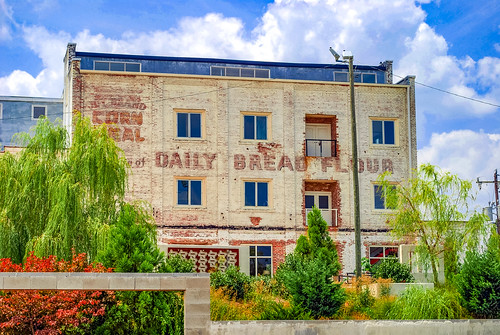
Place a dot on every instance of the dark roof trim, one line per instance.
(224, 61)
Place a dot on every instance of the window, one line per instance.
(318, 140)
(255, 126)
(359, 77)
(322, 200)
(256, 193)
(239, 72)
(369, 78)
(379, 197)
(38, 111)
(383, 132)
(117, 66)
(261, 260)
(189, 124)
(378, 253)
(189, 192)
(341, 76)
(1, 111)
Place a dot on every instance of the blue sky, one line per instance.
(450, 45)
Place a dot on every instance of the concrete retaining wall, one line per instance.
(372, 327)
(196, 287)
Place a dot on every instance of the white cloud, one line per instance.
(303, 30)
(20, 83)
(296, 31)
(50, 47)
(466, 153)
(6, 21)
(428, 58)
(488, 70)
(210, 36)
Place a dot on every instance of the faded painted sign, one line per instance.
(126, 125)
(187, 160)
(263, 162)
(136, 162)
(268, 162)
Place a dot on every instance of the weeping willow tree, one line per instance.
(433, 208)
(55, 199)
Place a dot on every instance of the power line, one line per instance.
(455, 94)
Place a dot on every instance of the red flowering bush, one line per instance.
(52, 312)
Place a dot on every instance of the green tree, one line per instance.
(308, 272)
(132, 248)
(432, 207)
(317, 243)
(55, 198)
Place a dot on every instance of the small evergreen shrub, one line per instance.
(307, 273)
(310, 285)
(391, 268)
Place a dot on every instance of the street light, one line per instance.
(348, 58)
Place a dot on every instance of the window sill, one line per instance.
(384, 146)
(258, 208)
(189, 207)
(243, 142)
(189, 139)
(320, 156)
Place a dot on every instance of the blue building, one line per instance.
(380, 74)
(19, 114)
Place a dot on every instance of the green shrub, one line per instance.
(234, 283)
(310, 285)
(478, 283)
(391, 268)
(307, 273)
(417, 303)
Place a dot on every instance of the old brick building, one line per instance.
(234, 153)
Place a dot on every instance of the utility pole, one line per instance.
(348, 57)
(495, 182)
(355, 180)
